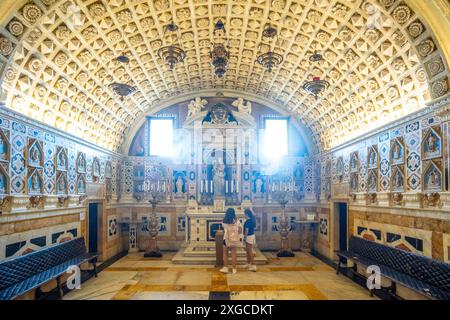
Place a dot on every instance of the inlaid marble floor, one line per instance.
(302, 277)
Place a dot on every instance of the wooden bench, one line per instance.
(423, 275)
(23, 274)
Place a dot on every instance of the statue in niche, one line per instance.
(61, 160)
(340, 167)
(2, 183)
(35, 183)
(81, 163)
(96, 169)
(61, 185)
(81, 188)
(434, 180)
(328, 168)
(196, 106)
(398, 181)
(258, 185)
(242, 107)
(35, 154)
(432, 146)
(372, 182)
(218, 178)
(354, 163)
(353, 184)
(3, 148)
(396, 152)
(373, 159)
(179, 185)
(298, 173)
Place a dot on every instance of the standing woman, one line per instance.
(232, 231)
(249, 238)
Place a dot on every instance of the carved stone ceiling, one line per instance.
(58, 58)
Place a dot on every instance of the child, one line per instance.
(232, 229)
(249, 238)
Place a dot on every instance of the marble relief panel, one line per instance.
(18, 244)
(413, 240)
(413, 156)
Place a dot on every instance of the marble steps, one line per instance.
(203, 257)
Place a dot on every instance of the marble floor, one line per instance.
(302, 277)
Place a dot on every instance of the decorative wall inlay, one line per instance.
(81, 184)
(398, 179)
(4, 145)
(113, 227)
(61, 159)
(397, 151)
(35, 181)
(96, 169)
(81, 163)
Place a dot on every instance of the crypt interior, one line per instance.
(127, 128)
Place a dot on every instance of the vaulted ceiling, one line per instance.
(58, 58)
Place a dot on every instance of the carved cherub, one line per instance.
(196, 106)
(242, 107)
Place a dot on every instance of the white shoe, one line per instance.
(224, 270)
(234, 270)
(252, 268)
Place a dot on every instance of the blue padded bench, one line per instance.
(423, 275)
(20, 275)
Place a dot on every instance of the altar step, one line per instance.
(207, 255)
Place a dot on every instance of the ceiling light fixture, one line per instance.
(122, 89)
(172, 53)
(317, 85)
(269, 59)
(219, 53)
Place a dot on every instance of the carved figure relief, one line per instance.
(398, 180)
(340, 167)
(61, 159)
(373, 181)
(35, 154)
(432, 178)
(397, 151)
(61, 184)
(179, 185)
(3, 181)
(354, 162)
(372, 161)
(96, 168)
(81, 185)
(108, 170)
(196, 106)
(242, 107)
(81, 163)
(354, 182)
(34, 183)
(432, 144)
(4, 146)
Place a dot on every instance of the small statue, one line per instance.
(353, 184)
(2, 183)
(196, 106)
(242, 107)
(258, 185)
(354, 163)
(219, 175)
(179, 185)
(434, 179)
(34, 183)
(398, 181)
(372, 183)
(61, 160)
(396, 152)
(81, 163)
(34, 155)
(62, 185)
(2, 148)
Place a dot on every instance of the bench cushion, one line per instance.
(22, 274)
(415, 271)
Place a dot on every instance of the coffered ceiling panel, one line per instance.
(59, 57)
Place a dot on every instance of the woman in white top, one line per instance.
(232, 231)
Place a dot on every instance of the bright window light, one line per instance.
(161, 137)
(275, 138)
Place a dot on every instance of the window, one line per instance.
(275, 138)
(161, 137)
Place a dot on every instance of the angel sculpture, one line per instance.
(196, 106)
(243, 107)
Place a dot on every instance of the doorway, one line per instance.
(340, 220)
(93, 227)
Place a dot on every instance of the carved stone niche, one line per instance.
(36, 202)
(397, 199)
(372, 198)
(431, 199)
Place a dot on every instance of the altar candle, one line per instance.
(211, 186)
(237, 186)
(206, 186)
(226, 187)
(201, 186)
